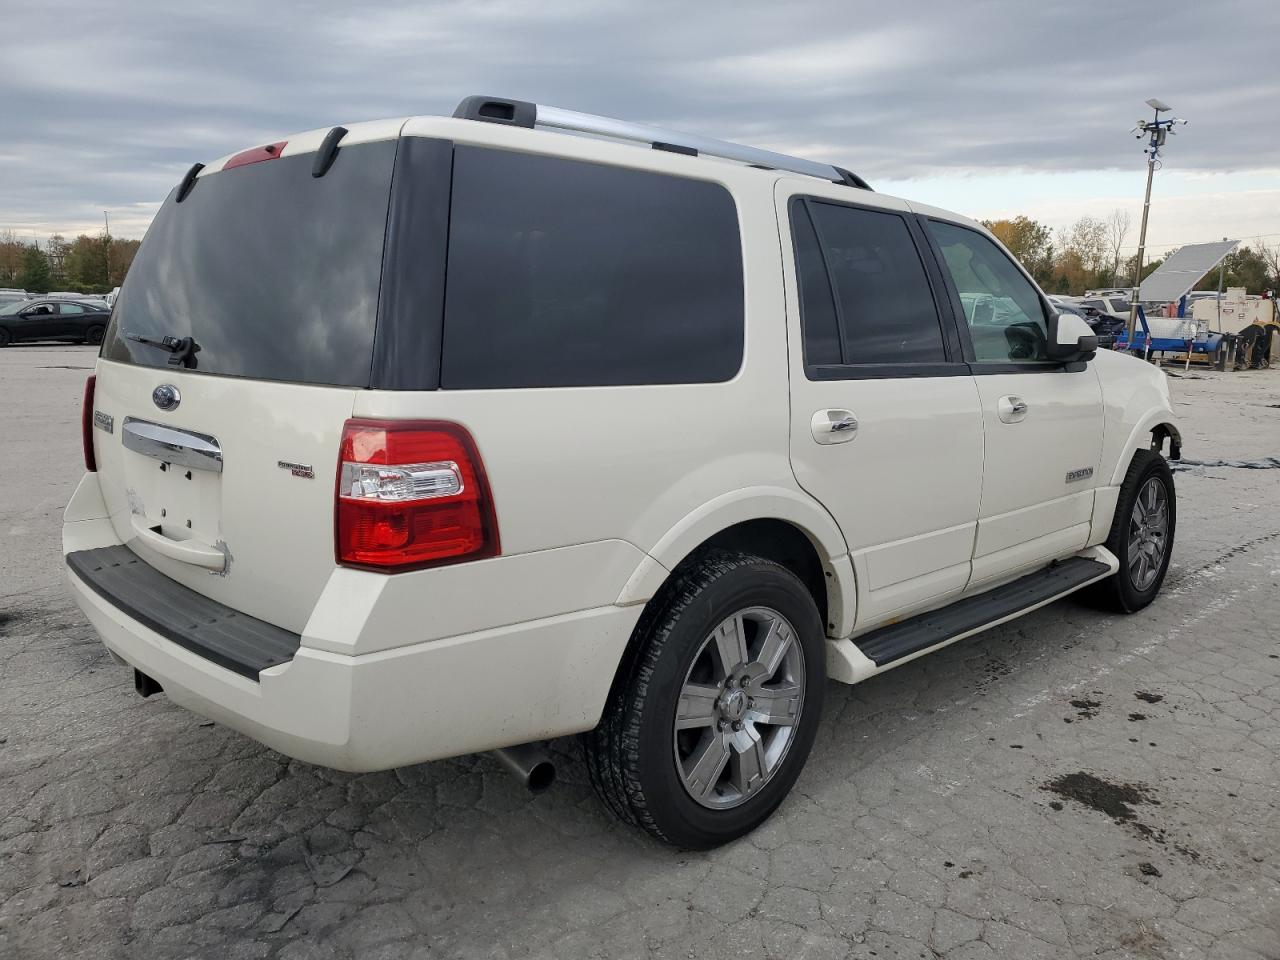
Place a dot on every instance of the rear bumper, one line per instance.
(461, 694)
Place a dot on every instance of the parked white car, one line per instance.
(485, 433)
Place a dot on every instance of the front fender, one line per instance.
(1140, 439)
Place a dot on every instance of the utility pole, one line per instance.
(106, 239)
(1157, 130)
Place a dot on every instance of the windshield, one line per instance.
(274, 273)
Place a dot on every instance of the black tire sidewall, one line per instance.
(1154, 466)
(94, 335)
(6, 337)
(679, 817)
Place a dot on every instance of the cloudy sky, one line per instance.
(989, 108)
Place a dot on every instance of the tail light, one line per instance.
(86, 424)
(411, 494)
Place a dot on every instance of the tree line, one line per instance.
(84, 265)
(1089, 254)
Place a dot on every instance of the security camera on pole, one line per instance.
(1156, 130)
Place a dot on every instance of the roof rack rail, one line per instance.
(520, 113)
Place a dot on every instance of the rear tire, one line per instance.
(5, 337)
(696, 750)
(1141, 537)
(94, 335)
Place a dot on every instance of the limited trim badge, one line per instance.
(1084, 473)
(166, 396)
(303, 470)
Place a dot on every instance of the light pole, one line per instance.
(1156, 130)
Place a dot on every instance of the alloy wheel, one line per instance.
(738, 708)
(1148, 534)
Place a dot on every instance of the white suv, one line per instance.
(442, 435)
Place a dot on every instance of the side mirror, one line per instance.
(1070, 340)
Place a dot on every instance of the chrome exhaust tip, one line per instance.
(529, 764)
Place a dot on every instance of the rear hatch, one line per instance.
(219, 466)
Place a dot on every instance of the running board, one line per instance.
(900, 640)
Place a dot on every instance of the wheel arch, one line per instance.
(781, 525)
(1150, 433)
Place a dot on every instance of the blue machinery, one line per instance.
(1209, 344)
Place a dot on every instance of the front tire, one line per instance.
(1141, 535)
(5, 337)
(94, 335)
(715, 709)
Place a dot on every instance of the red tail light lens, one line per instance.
(86, 424)
(411, 494)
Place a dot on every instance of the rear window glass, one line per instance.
(273, 272)
(566, 273)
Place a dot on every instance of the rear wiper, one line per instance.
(183, 349)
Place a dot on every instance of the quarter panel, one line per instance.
(574, 465)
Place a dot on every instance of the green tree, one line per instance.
(35, 274)
(85, 264)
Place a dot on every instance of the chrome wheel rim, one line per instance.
(739, 706)
(1148, 534)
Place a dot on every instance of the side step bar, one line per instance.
(899, 640)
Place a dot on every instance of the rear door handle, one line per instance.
(1011, 409)
(833, 426)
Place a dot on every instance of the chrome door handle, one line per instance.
(833, 426)
(1011, 409)
(170, 445)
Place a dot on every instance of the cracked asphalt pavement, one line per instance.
(924, 825)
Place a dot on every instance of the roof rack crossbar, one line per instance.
(517, 112)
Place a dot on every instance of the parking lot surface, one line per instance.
(1070, 784)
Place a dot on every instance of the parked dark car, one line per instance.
(72, 320)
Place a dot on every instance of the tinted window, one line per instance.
(817, 309)
(1005, 316)
(883, 298)
(70, 308)
(272, 271)
(564, 273)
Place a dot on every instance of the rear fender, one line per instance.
(739, 506)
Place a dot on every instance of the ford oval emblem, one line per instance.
(166, 396)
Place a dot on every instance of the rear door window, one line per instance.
(564, 273)
(273, 272)
(865, 265)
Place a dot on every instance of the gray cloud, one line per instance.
(104, 108)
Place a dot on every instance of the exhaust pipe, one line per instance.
(529, 764)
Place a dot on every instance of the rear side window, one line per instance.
(883, 300)
(563, 273)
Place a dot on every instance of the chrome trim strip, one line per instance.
(195, 450)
